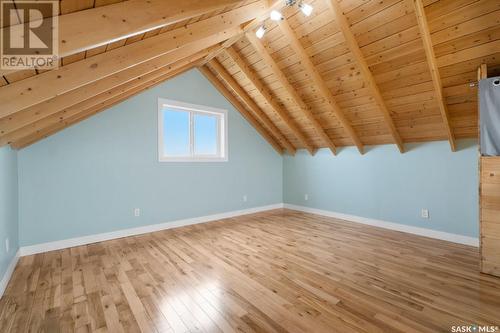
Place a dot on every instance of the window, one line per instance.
(188, 132)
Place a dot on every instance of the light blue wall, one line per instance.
(384, 184)
(89, 178)
(8, 207)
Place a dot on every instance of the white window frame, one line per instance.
(222, 140)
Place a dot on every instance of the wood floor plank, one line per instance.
(278, 271)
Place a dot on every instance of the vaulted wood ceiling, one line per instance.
(354, 73)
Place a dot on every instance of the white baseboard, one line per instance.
(466, 240)
(66, 243)
(8, 273)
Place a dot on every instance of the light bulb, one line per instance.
(306, 9)
(260, 32)
(275, 15)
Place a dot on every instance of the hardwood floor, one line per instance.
(279, 271)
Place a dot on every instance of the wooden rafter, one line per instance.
(50, 130)
(365, 70)
(279, 109)
(387, 34)
(319, 82)
(241, 108)
(97, 100)
(482, 72)
(67, 100)
(83, 30)
(433, 67)
(239, 91)
(269, 61)
(25, 93)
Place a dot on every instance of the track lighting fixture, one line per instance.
(275, 15)
(306, 9)
(260, 32)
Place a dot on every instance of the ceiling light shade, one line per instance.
(260, 32)
(275, 15)
(306, 9)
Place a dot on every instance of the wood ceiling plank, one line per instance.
(471, 40)
(401, 50)
(468, 66)
(464, 14)
(231, 82)
(86, 29)
(16, 97)
(51, 130)
(70, 6)
(99, 3)
(350, 5)
(319, 83)
(241, 109)
(391, 50)
(367, 74)
(482, 50)
(402, 73)
(72, 58)
(134, 39)
(20, 75)
(398, 10)
(47, 120)
(444, 7)
(269, 98)
(271, 64)
(390, 42)
(388, 29)
(89, 91)
(95, 51)
(115, 45)
(367, 9)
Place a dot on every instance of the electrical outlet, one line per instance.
(245, 198)
(424, 213)
(7, 245)
(306, 197)
(137, 212)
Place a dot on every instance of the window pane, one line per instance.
(175, 133)
(205, 134)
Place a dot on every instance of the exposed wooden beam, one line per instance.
(72, 98)
(274, 5)
(231, 82)
(273, 66)
(482, 72)
(241, 108)
(433, 67)
(279, 109)
(25, 93)
(353, 46)
(83, 30)
(82, 107)
(319, 83)
(51, 130)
